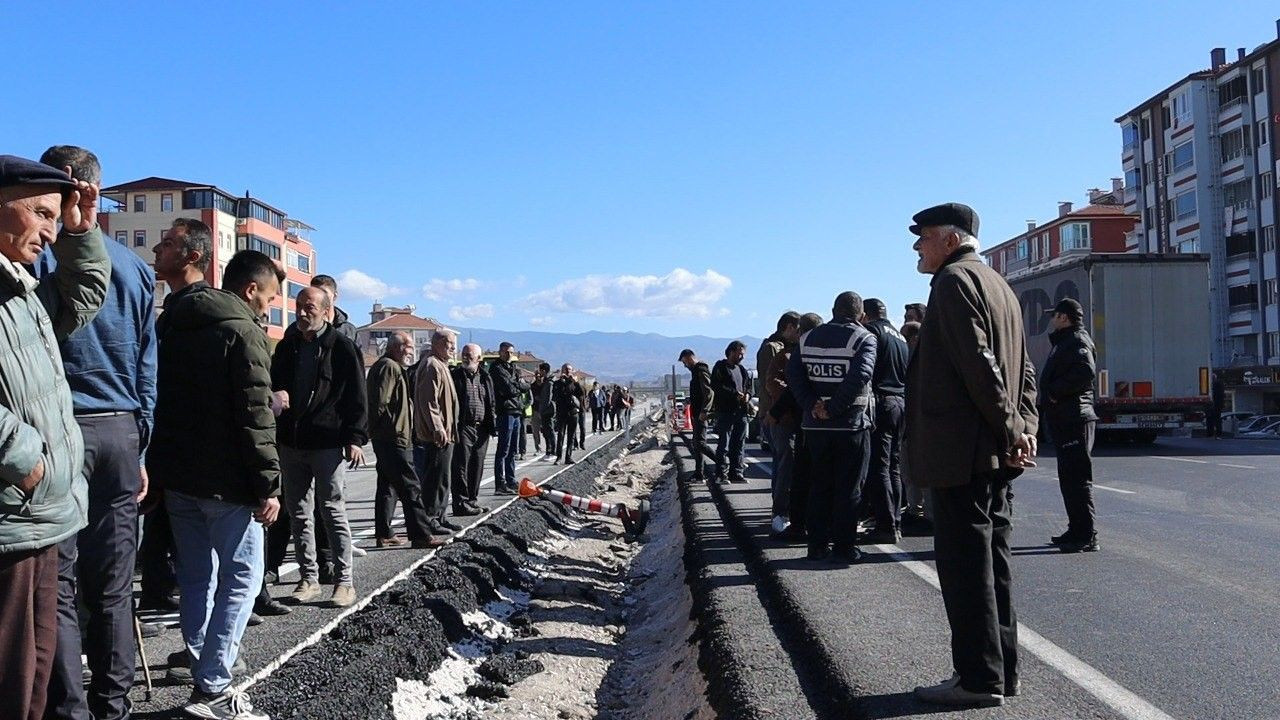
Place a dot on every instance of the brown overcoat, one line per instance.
(971, 387)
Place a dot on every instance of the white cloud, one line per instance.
(470, 312)
(354, 282)
(541, 321)
(438, 289)
(679, 293)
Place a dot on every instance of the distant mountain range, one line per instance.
(614, 356)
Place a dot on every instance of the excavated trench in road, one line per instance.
(541, 612)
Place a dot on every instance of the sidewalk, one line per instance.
(856, 639)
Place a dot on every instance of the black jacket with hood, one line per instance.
(335, 415)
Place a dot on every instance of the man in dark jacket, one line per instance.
(829, 374)
(732, 387)
(884, 477)
(214, 456)
(544, 410)
(322, 429)
(1066, 404)
(700, 396)
(391, 430)
(791, 472)
(111, 368)
(477, 422)
(971, 426)
(507, 389)
(568, 396)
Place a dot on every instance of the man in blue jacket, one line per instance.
(111, 369)
(829, 375)
(42, 489)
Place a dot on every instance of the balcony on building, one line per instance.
(1242, 245)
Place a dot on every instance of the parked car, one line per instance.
(1256, 422)
(1232, 421)
(1269, 432)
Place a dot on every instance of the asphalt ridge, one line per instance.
(405, 631)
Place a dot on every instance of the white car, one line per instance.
(1269, 432)
(1255, 423)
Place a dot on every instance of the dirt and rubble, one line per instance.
(542, 612)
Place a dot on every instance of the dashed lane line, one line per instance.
(1242, 467)
(1178, 459)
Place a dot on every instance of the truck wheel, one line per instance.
(1145, 437)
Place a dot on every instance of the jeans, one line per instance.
(504, 462)
(783, 466)
(100, 561)
(731, 427)
(309, 476)
(220, 557)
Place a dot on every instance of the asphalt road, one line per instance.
(1174, 617)
(264, 643)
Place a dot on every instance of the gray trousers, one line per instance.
(309, 476)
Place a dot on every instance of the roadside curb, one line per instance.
(802, 679)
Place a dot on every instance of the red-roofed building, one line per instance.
(1102, 226)
(137, 213)
(385, 320)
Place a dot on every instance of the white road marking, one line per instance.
(315, 637)
(1118, 490)
(1116, 696)
(1242, 467)
(1178, 459)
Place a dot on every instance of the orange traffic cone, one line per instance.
(633, 521)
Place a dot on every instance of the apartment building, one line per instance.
(138, 213)
(1201, 167)
(1102, 225)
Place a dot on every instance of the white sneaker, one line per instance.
(227, 705)
(357, 551)
(779, 524)
(549, 456)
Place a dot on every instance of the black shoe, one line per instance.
(882, 537)
(569, 461)
(437, 528)
(449, 525)
(848, 556)
(818, 554)
(737, 479)
(271, 577)
(1013, 689)
(480, 510)
(162, 603)
(255, 619)
(504, 490)
(793, 533)
(1061, 539)
(1079, 546)
(465, 511)
(271, 608)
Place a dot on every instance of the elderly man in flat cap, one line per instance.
(43, 496)
(971, 428)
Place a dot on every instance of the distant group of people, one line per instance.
(863, 419)
(225, 448)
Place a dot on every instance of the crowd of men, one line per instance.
(226, 449)
(930, 422)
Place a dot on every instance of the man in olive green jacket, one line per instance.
(43, 497)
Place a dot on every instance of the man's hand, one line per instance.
(355, 456)
(267, 512)
(279, 402)
(1023, 452)
(80, 207)
(142, 486)
(820, 411)
(28, 484)
(439, 438)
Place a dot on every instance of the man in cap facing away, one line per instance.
(1066, 403)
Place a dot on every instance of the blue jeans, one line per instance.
(504, 462)
(783, 461)
(731, 429)
(219, 568)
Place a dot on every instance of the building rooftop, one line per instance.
(403, 321)
(1088, 211)
(158, 183)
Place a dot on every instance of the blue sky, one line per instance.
(667, 167)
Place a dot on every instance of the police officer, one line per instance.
(1066, 404)
(888, 382)
(829, 375)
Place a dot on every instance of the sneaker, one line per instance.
(306, 591)
(449, 525)
(393, 541)
(779, 524)
(480, 510)
(737, 479)
(226, 705)
(504, 490)
(180, 667)
(357, 551)
(271, 608)
(548, 456)
(466, 511)
(949, 692)
(343, 596)
(1060, 539)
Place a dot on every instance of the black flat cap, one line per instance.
(1068, 307)
(958, 214)
(21, 171)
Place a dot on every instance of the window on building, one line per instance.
(1269, 238)
(294, 288)
(1236, 144)
(1238, 194)
(1182, 157)
(1165, 117)
(299, 261)
(1129, 134)
(1265, 185)
(1242, 243)
(1269, 291)
(122, 237)
(1044, 245)
(1273, 344)
(1242, 297)
(1133, 179)
(1022, 250)
(1233, 92)
(1145, 125)
(139, 238)
(277, 317)
(139, 203)
(1188, 246)
(262, 245)
(1258, 80)
(1182, 108)
(1261, 133)
(293, 317)
(1184, 206)
(1149, 218)
(1074, 236)
(166, 202)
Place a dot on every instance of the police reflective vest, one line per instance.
(834, 363)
